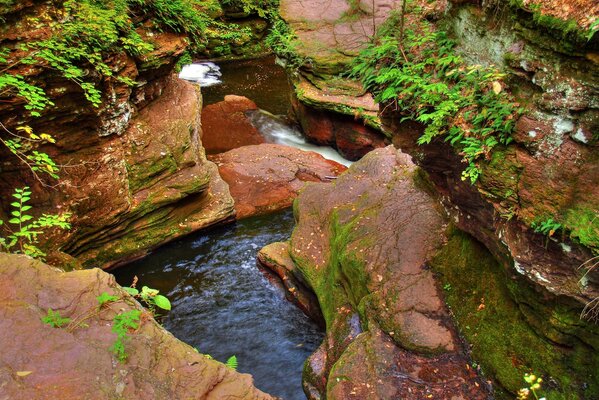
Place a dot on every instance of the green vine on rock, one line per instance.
(413, 69)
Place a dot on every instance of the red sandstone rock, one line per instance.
(38, 361)
(225, 126)
(267, 177)
(362, 246)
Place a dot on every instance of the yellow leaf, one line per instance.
(34, 136)
(23, 373)
(497, 87)
(27, 129)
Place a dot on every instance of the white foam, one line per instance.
(276, 131)
(206, 74)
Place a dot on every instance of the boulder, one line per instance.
(226, 127)
(38, 361)
(362, 245)
(267, 177)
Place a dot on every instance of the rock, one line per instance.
(134, 172)
(38, 361)
(329, 35)
(275, 258)
(225, 126)
(362, 245)
(164, 186)
(351, 137)
(267, 177)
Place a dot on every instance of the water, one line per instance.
(277, 131)
(206, 74)
(266, 84)
(223, 305)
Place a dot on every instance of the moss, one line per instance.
(511, 337)
(583, 224)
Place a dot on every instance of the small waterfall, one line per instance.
(206, 73)
(275, 130)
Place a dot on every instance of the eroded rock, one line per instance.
(38, 361)
(226, 127)
(362, 246)
(267, 177)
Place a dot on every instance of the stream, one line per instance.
(223, 305)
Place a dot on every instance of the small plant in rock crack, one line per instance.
(55, 320)
(149, 296)
(123, 322)
(24, 228)
(546, 227)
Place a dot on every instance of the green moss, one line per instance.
(511, 337)
(583, 224)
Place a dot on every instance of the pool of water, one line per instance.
(223, 305)
(261, 80)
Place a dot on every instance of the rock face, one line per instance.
(362, 245)
(267, 177)
(226, 127)
(329, 34)
(38, 361)
(135, 172)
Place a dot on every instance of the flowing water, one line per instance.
(265, 83)
(223, 305)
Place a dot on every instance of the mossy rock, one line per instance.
(513, 329)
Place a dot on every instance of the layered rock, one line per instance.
(362, 245)
(75, 361)
(134, 171)
(267, 177)
(328, 35)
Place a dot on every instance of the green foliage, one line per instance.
(281, 40)
(414, 69)
(546, 227)
(106, 298)
(121, 325)
(27, 228)
(55, 320)
(232, 362)
(150, 297)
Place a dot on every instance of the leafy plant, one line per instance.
(232, 362)
(281, 40)
(55, 320)
(121, 325)
(410, 67)
(546, 227)
(27, 228)
(150, 297)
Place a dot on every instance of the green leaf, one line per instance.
(132, 291)
(106, 298)
(162, 302)
(232, 362)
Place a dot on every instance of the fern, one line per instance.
(232, 362)
(464, 104)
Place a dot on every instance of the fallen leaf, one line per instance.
(496, 87)
(23, 373)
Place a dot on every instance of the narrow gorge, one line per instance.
(241, 199)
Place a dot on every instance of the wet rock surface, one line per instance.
(329, 35)
(362, 246)
(226, 127)
(74, 362)
(267, 177)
